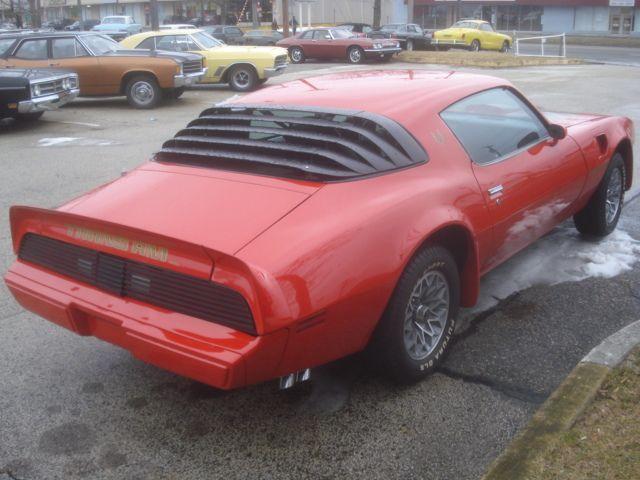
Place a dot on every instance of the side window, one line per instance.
(5, 43)
(411, 29)
(366, 29)
(402, 29)
(167, 42)
(308, 34)
(66, 48)
(493, 124)
(147, 44)
(32, 50)
(191, 44)
(486, 27)
(234, 31)
(321, 35)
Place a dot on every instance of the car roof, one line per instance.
(168, 31)
(66, 33)
(433, 91)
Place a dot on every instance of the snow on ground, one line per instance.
(64, 141)
(561, 256)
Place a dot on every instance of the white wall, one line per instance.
(557, 19)
(592, 19)
(338, 11)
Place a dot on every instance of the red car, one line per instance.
(309, 220)
(338, 43)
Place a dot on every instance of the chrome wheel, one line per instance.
(355, 55)
(241, 79)
(614, 195)
(426, 314)
(475, 46)
(296, 55)
(143, 92)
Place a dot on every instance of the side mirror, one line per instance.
(557, 132)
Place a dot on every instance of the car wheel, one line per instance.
(355, 55)
(600, 216)
(387, 57)
(143, 92)
(296, 54)
(417, 326)
(28, 117)
(409, 45)
(243, 78)
(505, 47)
(475, 46)
(177, 92)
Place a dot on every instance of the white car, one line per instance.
(118, 23)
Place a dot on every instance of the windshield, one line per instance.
(114, 20)
(101, 45)
(341, 33)
(205, 40)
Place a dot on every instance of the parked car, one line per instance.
(243, 68)
(474, 35)
(297, 225)
(227, 33)
(176, 19)
(410, 35)
(118, 23)
(59, 24)
(358, 29)
(104, 67)
(337, 43)
(81, 25)
(25, 94)
(261, 37)
(201, 21)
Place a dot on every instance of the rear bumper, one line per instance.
(204, 351)
(49, 102)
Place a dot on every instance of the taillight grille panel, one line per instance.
(140, 281)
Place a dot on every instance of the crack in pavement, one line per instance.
(506, 389)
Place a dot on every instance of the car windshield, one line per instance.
(205, 40)
(101, 45)
(341, 33)
(114, 20)
(5, 43)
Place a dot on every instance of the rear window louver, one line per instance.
(301, 143)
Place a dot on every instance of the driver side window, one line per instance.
(493, 125)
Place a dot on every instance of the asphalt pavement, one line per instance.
(73, 407)
(607, 55)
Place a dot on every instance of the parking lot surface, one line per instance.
(74, 407)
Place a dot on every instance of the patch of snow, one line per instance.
(78, 141)
(561, 256)
(53, 141)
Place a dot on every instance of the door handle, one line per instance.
(495, 190)
(54, 64)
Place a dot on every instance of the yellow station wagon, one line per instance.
(474, 35)
(242, 67)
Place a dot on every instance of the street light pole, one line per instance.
(153, 7)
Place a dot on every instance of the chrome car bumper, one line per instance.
(47, 102)
(372, 52)
(272, 72)
(449, 43)
(187, 79)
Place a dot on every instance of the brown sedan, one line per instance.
(337, 43)
(104, 68)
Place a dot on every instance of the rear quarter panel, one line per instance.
(115, 68)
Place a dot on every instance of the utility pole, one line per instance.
(376, 13)
(409, 11)
(285, 17)
(254, 13)
(153, 7)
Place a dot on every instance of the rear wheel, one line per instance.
(296, 55)
(143, 92)
(600, 216)
(387, 57)
(243, 78)
(505, 47)
(418, 324)
(355, 55)
(475, 46)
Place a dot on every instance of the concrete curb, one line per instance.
(561, 410)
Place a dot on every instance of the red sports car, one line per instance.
(338, 43)
(309, 220)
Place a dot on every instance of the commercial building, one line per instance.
(553, 16)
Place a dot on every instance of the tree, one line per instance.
(376, 13)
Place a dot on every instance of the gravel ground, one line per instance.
(74, 407)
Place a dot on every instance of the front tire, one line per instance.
(417, 326)
(475, 46)
(600, 216)
(296, 55)
(143, 92)
(355, 55)
(28, 117)
(243, 78)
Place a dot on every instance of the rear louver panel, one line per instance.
(305, 143)
(126, 278)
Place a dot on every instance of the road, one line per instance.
(74, 407)
(608, 55)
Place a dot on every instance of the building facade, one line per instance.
(549, 16)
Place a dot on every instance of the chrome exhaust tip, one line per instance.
(292, 379)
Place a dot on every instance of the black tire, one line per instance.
(296, 55)
(596, 219)
(505, 47)
(262, 81)
(177, 92)
(243, 78)
(475, 46)
(355, 55)
(390, 344)
(387, 57)
(143, 92)
(28, 117)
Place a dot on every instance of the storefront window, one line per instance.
(432, 17)
(507, 17)
(530, 19)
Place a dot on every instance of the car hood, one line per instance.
(219, 210)
(178, 56)
(569, 119)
